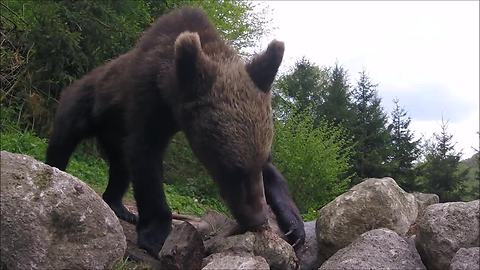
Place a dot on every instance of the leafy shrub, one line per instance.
(57, 42)
(315, 160)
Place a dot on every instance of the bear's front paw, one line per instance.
(152, 237)
(292, 226)
(296, 234)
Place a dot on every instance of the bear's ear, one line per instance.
(190, 61)
(263, 68)
(187, 51)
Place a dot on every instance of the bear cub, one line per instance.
(180, 76)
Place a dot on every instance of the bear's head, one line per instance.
(224, 109)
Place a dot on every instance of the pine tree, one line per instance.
(300, 90)
(336, 97)
(439, 171)
(369, 130)
(404, 149)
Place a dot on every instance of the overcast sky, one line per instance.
(426, 54)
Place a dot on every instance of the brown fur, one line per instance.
(181, 76)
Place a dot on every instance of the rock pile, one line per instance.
(51, 220)
(378, 225)
(372, 204)
(444, 229)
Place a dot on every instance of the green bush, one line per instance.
(49, 44)
(315, 160)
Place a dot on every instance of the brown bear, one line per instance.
(180, 76)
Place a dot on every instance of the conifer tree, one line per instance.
(336, 97)
(369, 130)
(439, 172)
(404, 149)
(300, 90)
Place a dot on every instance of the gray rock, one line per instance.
(424, 200)
(278, 253)
(240, 260)
(374, 203)
(308, 253)
(466, 259)
(183, 248)
(444, 229)
(267, 244)
(52, 220)
(236, 243)
(217, 224)
(376, 249)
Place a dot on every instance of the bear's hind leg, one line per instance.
(145, 155)
(118, 178)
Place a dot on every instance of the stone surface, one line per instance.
(308, 253)
(278, 253)
(374, 203)
(217, 224)
(236, 243)
(466, 259)
(267, 244)
(424, 200)
(444, 229)
(183, 248)
(376, 249)
(242, 260)
(52, 220)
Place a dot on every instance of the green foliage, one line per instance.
(405, 150)
(439, 172)
(183, 204)
(368, 127)
(238, 21)
(314, 160)
(300, 89)
(336, 97)
(58, 41)
(186, 173)
(472, 182)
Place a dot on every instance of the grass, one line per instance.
(126, 264)
(93, 170)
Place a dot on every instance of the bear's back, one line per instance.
(149, 65)
(166, 29)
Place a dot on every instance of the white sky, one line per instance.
(424, 53)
